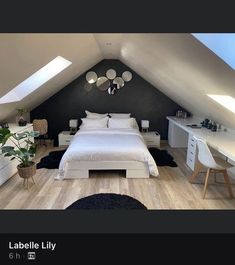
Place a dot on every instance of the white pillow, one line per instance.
(93, 115)
(135, 124)
(122, 123)
(120, 115)
(94, 123)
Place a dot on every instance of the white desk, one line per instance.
(223, 142)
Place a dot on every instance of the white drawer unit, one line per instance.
(7, 167)
(177, 137)
(65, 138)
(152, 139)
(191, 152)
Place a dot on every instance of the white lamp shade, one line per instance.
(144, 123)
(73, 123)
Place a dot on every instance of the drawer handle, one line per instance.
(191, 153)
(190, 159)
(192, 140)
(192, 145)
(67, 141)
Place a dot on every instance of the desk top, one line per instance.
(223, 142)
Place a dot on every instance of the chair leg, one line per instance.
(33, 180)
(196, 172)
(206, 182)
(227, 181)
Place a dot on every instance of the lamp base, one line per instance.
(145, 129)
(73, 131)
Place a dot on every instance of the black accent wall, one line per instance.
(138, 97)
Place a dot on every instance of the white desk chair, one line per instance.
(216, 164)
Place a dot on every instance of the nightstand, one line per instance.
(65, 138)
(152, 139)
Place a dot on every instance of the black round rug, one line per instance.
(107, 201)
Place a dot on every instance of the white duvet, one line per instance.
(107, 145)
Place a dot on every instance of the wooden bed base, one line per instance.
(81, 169)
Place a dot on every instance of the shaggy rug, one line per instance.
(103, 201)
(52, 160)
(161, 157)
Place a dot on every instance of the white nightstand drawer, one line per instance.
(64, 142)
(149, 141)
(152, 139)
(65, 138)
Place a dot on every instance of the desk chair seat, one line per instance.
(212, 163)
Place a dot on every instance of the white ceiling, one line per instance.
(23, 54)
(177, 64)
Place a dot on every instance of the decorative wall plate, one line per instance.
(119, 82)
(111, 74)
(127, 76)
(91, 77)
(88, 87)
(103, 83)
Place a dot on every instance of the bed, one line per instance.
(107, 149)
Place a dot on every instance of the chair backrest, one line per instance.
(204, 154)
(41, 126)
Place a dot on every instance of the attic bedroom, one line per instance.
(117, 121)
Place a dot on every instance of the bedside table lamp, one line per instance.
(144, 125)
(73, 124)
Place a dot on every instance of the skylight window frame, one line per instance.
(221, 44)
(226, 101)
(36, 80)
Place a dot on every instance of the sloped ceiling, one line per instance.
(185, 70)
(177, 64)
(23, 54)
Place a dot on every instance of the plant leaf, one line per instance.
(23, 150)
(4, 139)
(19, 136)
(6, 149)
(32, 150)
(29, 142)
(34, 134)
(3, 133)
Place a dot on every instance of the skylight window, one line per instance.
(36, 80)
(222, 44)
(226, 101)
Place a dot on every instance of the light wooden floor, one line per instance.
(171, 190)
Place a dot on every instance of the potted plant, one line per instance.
(21, 120)
(21, 148)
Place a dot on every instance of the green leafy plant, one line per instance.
(21, 111)
(23, 148)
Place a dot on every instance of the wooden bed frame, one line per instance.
(80, 169)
